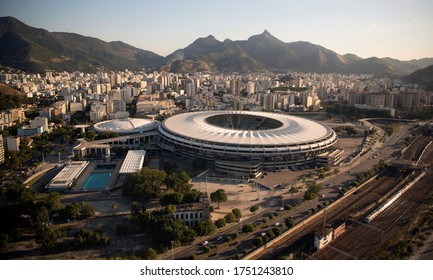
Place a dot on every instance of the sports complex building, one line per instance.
(239, 143)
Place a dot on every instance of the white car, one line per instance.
(219, 238)
(205, 243)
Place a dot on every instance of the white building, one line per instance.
(13, 144)
(67, 176)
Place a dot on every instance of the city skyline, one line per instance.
(397, 29)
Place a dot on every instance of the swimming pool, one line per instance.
(105, 166)
(97, 181)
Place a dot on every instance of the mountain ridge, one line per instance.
(35, 49)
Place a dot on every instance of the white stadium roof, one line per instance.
(126, 126)
(286, 129)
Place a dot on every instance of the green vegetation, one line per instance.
(289, 222)
(258, 241)
(11, 98)
(348, 112)
(205, 227)
(249, 228)
(145, 183)
(161, 226)
(237, 213)
(150, 254)
(230, 218)
(86, 238)
(218, 196)
(254, 208)
(220, 223)
(312, 191)
(363, 176)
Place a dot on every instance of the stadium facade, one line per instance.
(245, 142)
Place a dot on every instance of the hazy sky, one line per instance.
(394, 28)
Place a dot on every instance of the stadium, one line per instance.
(245, 143)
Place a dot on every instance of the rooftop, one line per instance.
(260, 128)
(67, 175)
(133, 162)
(126, 126)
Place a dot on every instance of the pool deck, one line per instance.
(91, 168)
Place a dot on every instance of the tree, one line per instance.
(312, 191)
(170, 209)
(230, 218)
(258, 241)
(53, 202)
(254, 208)
(293, 190)
(220, 223)
(87, 210)
(191, 197)
(179, 182)
(47, 236)
(237, 213)
(172, 198)
(218, 196)
(145, 183)
(289, 222)
(276, 231)
(72, 211)
(150, 254)
(40, 217)
(270, 234)
(249, 228)
(205, 227)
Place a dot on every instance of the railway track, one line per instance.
(361, 241)
(361, 201)
(416, 148)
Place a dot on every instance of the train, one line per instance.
(391, 200)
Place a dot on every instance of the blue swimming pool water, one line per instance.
(97, 181)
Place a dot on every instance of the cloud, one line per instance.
(374, 26)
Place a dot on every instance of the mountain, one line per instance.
(11, 98)
(35, 50)
(372, 65)
(264, 52)
(406, 67)
(350, 57)
(422, 77)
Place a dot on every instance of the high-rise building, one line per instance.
(235, 87)
(251, 88)
(268, 102)
(299, 82)
(355, 98)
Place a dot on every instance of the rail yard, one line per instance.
(365, 238)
